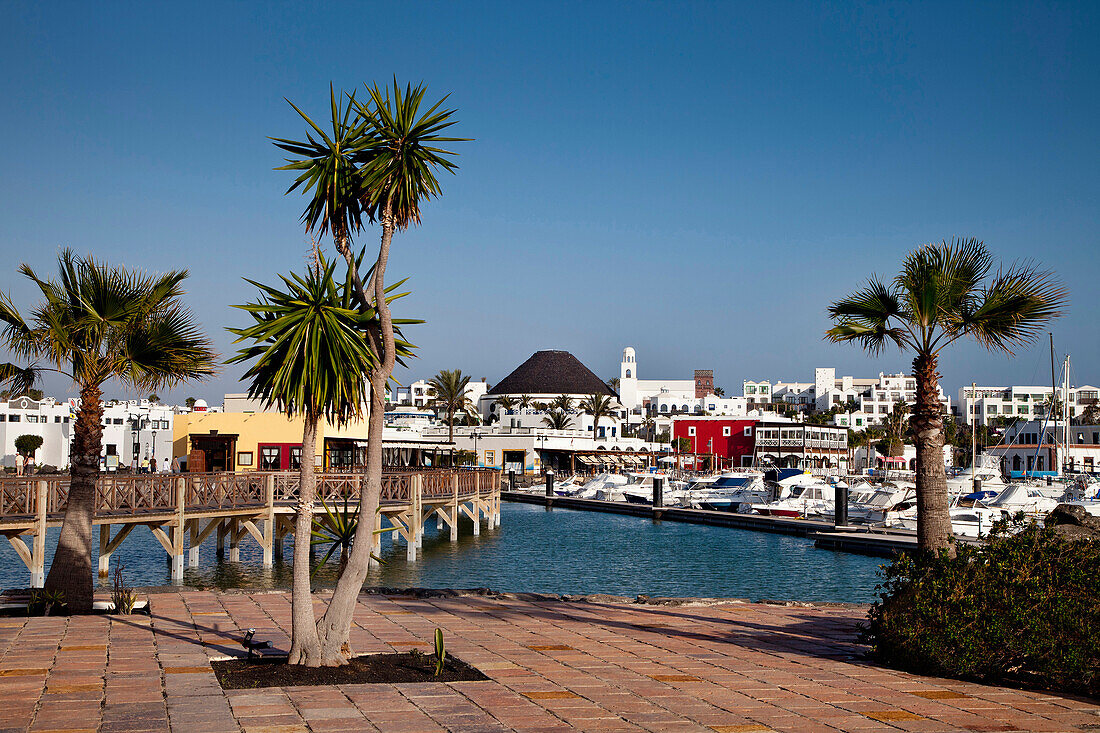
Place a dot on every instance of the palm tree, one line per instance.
(562, 402)
(557, 420)
(894, 428)
(309, 357)
(447, 390)
(945, 292)
(525, 401)
(613, 384)
(506, 402)
(97, 322)
(596, 405)
(378, 162)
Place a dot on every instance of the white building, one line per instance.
(872, 398)
(1036, 447)
(419, 394)
(135, 430)
(1026, 402)
(47, 418)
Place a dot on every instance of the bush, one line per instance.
(1024, 607)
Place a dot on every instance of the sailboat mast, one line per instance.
(1053, 403)
(974, 439)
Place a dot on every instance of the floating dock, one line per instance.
(855, 539)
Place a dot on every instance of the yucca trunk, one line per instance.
(334, 627)
(71, 569)
(305, 645)
(934, 530)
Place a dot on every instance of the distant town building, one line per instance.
(1037, 448)
(773, 441)
(1029, 402)
(47, 418)
(136, 432)
(871, 399)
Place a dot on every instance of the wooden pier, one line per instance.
(184, 510)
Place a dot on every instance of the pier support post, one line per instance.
(658, 492)
(38, 552)
(269, 520)
(235, 540)
(177, 535)
(104, 553)
(220, 533)
(840, 505)
(410, 536)
(549, 483)
(418, 492)
(511, 480)
(454, 507)
(193, 545)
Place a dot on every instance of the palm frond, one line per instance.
(1014, 308)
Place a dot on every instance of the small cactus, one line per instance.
(440, 652)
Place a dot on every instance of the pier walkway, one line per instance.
(185, 510)
(553, 666)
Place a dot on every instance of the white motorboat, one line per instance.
(735, 491)
(809, 499)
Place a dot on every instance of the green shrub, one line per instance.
(1023, 607)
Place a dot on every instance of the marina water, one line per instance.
(548, 551)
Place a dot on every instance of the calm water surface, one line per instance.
(557, 551)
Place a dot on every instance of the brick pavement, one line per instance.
(554, 666)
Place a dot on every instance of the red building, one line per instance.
(730, 440)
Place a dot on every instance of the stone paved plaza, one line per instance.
(554, 666)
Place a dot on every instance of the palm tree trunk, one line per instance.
(933, 515)
(305, 645)
(334, 627)
(71, 569)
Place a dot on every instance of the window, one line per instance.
(57, 418)
(269, 458)
(628, 374)
(726, 431)
(296, 458)
(112, 449)
(13, 417)
(244, 458)
(691, 431)
(763, 390)
(118, 421)
(750, 390)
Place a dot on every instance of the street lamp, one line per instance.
(477, 456)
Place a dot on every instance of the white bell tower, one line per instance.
(628, 379)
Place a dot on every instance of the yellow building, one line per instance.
(258, 440)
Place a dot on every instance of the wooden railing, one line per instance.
(156, 493)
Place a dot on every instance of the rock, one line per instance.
(1073, 515)
(1074, 533)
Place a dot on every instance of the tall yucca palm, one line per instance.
(945, 292)
(309, 357)
(447, 391)
(598, 406)
(97, 322)
(378, 162)
(557, 420)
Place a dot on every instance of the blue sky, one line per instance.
(696, 180)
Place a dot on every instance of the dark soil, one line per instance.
(241, 674)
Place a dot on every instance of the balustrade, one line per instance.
(120, 494)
